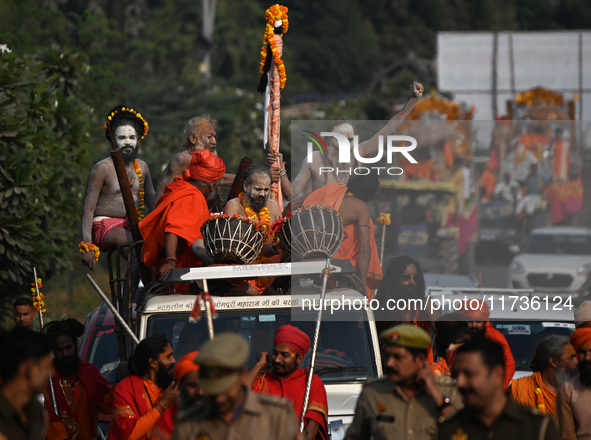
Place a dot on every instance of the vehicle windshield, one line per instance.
(558, 244)
(344, 353)
(524, 337)
(104, 352)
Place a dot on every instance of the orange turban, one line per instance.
(580, 337)
(205, 166)
(475, 310)
(293, 338)
(185, 365)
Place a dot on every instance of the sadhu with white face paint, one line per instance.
(104, 223)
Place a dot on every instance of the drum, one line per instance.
(315, 231)
(231, 240)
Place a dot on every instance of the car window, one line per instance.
(104, 352)
(524, 337)
(558, 244)
(345, 352)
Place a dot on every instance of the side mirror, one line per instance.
(514, 249)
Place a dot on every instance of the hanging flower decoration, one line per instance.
(142, 207)
(540, 402)
(262, 217)
(122, 108)
(384, 218)
(274, 13)
(38, 297)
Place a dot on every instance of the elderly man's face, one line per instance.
(206, 137)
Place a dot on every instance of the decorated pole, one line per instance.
(39, 305)
(325, 275)
(273, 78)
(210, 312)
(384, 220)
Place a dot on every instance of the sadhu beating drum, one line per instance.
(232, 240)
(315, 231)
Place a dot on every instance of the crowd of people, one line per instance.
(443, 378)
(449, 377)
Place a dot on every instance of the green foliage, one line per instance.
(43, 159)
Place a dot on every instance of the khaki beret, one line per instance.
(406, 335)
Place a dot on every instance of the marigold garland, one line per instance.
(274, 13)
(540, 402)
(133, 112)
(89, 247)
(38, 302)
(263, 218)
(140, 210)
(384, 218)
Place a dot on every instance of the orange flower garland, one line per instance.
(274, 13)
(262, 217)
(38, 302)
(89, 247)
(140, 210)
(384, 218)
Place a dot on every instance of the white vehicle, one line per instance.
(554, 260)
(348, 350)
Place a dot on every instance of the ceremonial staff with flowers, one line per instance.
(39, 305)
(273, 79)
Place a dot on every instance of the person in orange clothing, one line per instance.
(186, 373)
(359, 245)
(488, 181)
(79, 387)
(172, 232)
(288, 380)
(140, 399)
(477, 317)
(555, 362)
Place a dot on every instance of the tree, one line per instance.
(44, 157)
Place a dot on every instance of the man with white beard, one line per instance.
(555, 362)
(574, 398)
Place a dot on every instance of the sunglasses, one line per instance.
(410, 276)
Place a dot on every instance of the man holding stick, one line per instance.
(105, 224)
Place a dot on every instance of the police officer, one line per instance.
(406, 403)
(231, 410)
(489, 412)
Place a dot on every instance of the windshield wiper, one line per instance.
(337, 369)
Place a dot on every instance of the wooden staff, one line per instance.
(275, 118)
(236, 188)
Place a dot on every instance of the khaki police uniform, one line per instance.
(221, 362)
(261, 417)
(516, 422)
(386, 413)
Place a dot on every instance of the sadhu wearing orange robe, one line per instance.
(288, 380)
(359, 245)
(554, 363)
(172, 232)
